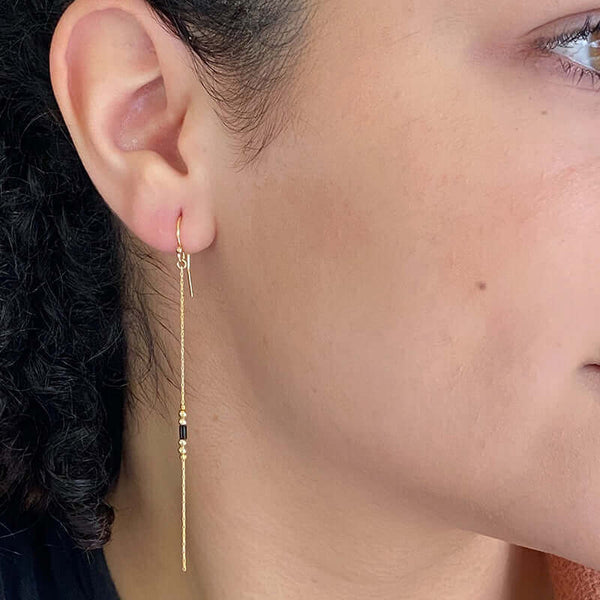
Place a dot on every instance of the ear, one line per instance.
(139, 118)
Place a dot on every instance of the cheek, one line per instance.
(405, 299)
(372, 237)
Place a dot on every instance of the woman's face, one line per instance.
(412, 271)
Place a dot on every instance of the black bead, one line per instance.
(183, 432)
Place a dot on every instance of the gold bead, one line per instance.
(182, 421)
(182, 414)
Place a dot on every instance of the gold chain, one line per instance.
(183, 262)
(182, 416)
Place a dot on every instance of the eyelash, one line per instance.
(566, 37)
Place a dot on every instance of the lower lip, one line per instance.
(591, 375)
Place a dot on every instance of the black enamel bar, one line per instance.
(183, 432)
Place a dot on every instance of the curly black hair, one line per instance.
(70, 284)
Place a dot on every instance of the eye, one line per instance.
(578, 50)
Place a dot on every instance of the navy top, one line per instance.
(41, 562)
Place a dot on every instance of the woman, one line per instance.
(301, 297)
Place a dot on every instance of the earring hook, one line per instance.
(187, 259)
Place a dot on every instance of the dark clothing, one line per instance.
(41, 562)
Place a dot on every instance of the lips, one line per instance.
(590, 374)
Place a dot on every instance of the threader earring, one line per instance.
(183, 262)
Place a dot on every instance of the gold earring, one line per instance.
(183, 262)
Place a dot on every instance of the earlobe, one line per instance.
(124, 86)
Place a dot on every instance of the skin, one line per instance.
(387, 353)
